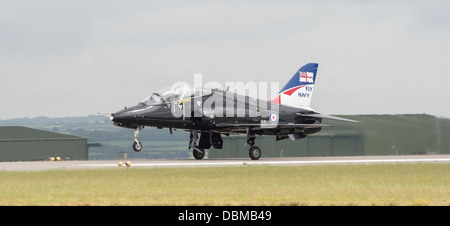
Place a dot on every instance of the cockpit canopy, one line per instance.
(175, 93)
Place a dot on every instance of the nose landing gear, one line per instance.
(137, 145)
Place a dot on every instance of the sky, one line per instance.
(77, 58)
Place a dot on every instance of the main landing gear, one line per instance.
(253, 151)
(198, 152)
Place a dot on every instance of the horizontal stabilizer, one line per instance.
(317, 115)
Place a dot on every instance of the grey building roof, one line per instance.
(20, 133)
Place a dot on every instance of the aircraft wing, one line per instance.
(262, 126)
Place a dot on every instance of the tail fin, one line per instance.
(298, 91)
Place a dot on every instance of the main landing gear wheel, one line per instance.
(137, 146)
(254, 152)
(198, 153)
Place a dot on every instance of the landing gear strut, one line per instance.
(137, 145)
(197, 152)
(253, 151)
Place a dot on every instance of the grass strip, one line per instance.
(342, 185)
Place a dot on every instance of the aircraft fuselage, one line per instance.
(219, 115)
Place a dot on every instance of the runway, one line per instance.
(99, 164)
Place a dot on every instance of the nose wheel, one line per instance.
(137, 146)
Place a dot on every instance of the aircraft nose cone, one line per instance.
(128, 117)
(118, 116)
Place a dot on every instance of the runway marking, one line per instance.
(240, 163)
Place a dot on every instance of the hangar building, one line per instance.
(373, 135)
(19, 143)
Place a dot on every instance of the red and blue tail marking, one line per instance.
(298, 91)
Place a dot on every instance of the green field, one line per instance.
(375, 184)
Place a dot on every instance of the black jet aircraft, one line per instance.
(209, 113)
